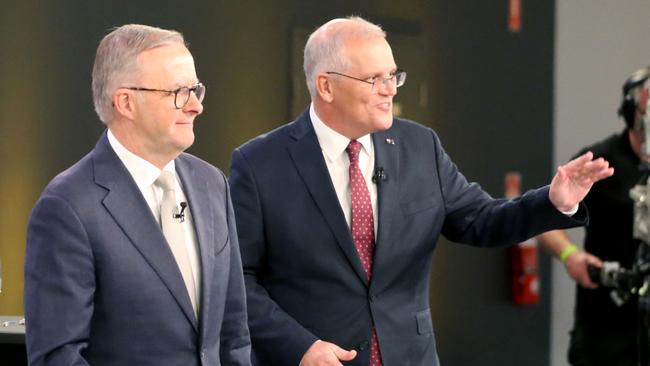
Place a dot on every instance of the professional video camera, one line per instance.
(638, 279)
(625, 282)
(635, 282)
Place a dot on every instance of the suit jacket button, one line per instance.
(363, 346)
(372, 297)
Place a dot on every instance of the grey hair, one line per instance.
(116, 60)
(324, 48)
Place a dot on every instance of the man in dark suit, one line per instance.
(339, 212)
(104, 285)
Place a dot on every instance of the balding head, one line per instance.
(324, 50)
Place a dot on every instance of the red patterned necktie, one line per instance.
(363, 229)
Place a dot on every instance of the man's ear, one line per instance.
(324, 88)
(124, 103)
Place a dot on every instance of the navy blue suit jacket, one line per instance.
(304, 279)
(102, 286)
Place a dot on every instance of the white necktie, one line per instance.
(173, 231)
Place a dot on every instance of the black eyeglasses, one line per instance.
(397, 79)
(181, 95)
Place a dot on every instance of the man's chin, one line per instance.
(186, 143)
(386, 124)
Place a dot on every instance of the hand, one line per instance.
(577, 264)
(326, 354)
(574, 179)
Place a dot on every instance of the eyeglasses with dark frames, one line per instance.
(181, 95)
(397, 79)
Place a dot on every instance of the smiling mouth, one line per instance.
(387, 106)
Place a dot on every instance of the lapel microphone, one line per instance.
(181, 215)
(379, 175)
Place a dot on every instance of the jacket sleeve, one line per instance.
(59, 285)
(235, 339)
(474, 217)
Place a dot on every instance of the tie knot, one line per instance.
(165, 181)
(353, 150)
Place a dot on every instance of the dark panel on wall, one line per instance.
(487, 92)
(493, 110)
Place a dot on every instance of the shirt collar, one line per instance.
(333, 143)
(143, 172)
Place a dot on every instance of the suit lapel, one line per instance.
(127, 206)
(308, 159)
(196, 191)
(387, 158)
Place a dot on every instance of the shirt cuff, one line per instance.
(572, 211)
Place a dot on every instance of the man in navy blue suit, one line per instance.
(104, 284)
(339, 212)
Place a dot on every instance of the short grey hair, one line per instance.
(324, 48)
(116, 60)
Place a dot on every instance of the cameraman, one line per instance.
(605, 333)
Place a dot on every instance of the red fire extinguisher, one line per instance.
(525, 268)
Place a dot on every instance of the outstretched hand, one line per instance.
(574, 179)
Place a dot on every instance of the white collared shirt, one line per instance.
(145, 174)
(333, 145)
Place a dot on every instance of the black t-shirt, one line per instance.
(609, 234)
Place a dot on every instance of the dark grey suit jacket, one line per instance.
(102, 286)
(304, 279)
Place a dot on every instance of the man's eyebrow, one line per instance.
(380, 75)
(185, 85)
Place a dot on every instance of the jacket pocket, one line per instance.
(424, 322)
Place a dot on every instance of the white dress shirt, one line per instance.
(145, 174)
(333, 145)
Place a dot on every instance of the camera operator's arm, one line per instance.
(575, 260)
